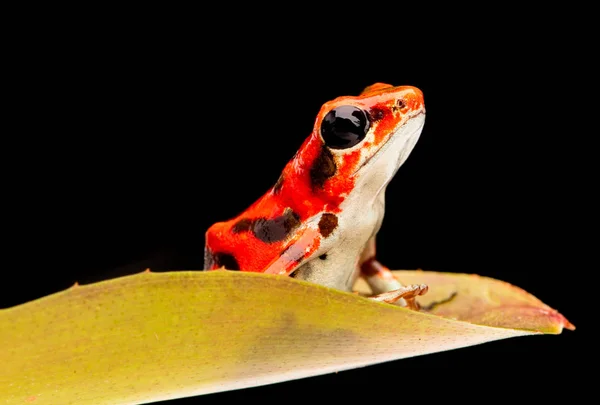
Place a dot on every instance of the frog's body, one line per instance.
(319, 221)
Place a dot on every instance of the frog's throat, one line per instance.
(407, 133)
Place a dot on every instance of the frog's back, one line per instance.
(258, 236)
(251, 240)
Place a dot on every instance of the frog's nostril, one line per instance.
(414, 98)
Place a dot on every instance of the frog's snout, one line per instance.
(413, 98)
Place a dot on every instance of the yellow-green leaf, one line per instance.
(156, 336)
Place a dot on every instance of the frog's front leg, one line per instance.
(383, 283)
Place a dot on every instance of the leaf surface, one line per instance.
(158, 336)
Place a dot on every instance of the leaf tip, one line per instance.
(567, 324)
(562, 321)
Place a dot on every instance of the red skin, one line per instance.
(298, 193)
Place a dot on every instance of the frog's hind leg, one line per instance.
(383, 283)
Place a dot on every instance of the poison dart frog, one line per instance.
(319, 221)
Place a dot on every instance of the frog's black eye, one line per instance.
(344, 127)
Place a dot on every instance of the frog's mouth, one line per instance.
(401, 142)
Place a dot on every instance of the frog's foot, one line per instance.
(387, 288)
(409, 293)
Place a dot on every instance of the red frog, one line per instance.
(319, 221)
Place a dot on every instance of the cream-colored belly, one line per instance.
(337, 263)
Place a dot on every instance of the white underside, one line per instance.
(361, 213)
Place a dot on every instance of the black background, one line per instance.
(128, 144)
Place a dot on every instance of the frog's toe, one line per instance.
(408, 293)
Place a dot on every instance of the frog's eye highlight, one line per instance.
(344, 127)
